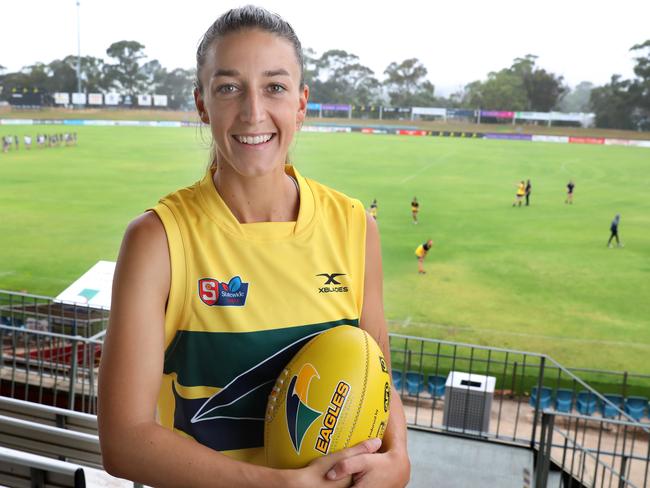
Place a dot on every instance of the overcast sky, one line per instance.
(459, 41)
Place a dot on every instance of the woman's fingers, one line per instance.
(342, 465)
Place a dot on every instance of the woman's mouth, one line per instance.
(254, 140)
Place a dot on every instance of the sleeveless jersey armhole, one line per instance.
(178, 289)
(357, 246)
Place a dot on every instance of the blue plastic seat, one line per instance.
(586, 402)
(397, 379)
(635, 406)
(564, 400)
(414, 383)
(436, 385)
(607, 411)
(544, 397)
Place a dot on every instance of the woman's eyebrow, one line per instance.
(234, 72)
(225, 72)
(276, 72)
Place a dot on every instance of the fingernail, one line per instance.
(375, 443)
(331, 474)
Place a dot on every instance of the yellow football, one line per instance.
(333, 394)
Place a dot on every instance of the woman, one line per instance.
(373, 209)
(421, 253)
(521, 191)
(415, 208)
(219, 278)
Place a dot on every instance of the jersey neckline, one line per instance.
(218, 211)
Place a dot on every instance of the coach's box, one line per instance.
(468, 400)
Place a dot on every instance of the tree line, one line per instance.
(337, 76)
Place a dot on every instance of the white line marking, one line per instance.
(524, 334)
(427, 166)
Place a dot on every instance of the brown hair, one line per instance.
(248, 17)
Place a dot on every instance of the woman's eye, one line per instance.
(226, 89)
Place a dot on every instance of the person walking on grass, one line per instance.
(613, 228)
(521, 191)
(529, 189)
(569, 192)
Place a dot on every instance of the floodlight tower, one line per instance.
(78, 49)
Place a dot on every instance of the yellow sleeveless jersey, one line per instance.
(420, 251)
(243, 299)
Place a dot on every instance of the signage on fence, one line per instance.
(95, 98)
(442, 112)
(111, 98)
(93, 288)
(79, 98)
(160, 100)
(144, 100)
(61, 98)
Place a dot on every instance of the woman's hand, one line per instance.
(317, 473)
(377, 469)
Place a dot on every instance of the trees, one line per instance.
(126, 72)
(522, 86)
(612, 104)
(577, 100)
(338, 76)
(178, 86)
(625, 104)
(407, 85)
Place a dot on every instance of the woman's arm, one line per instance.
(134, 445)
(390, 467)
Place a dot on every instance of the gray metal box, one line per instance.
(468, 402)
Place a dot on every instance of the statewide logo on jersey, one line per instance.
(331, 279)
(222, 294)
(300, 416)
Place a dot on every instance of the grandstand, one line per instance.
(477, 415)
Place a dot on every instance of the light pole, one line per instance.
(78, 49)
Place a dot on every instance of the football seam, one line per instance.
(363, 391)
(281, 400)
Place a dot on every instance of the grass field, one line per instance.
(538, 278)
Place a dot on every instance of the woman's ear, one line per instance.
(302, 107)
(200, 106)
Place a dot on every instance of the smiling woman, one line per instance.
(217, 287)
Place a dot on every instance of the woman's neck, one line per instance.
(268, 198)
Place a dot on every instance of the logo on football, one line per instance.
(300, 415)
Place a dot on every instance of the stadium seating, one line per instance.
(586, 402)
(414, 383)
(397, 379)
(607, 411)
(544, 398)
(564, 400)
(635, 407)
(436, 385)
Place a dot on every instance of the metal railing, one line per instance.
(596, 452)
(41, 313)
(49, 368)
(525, 385)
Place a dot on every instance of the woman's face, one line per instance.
(252, 100)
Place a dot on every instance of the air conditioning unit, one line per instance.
(468, 402)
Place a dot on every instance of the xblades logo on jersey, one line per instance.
(330, 279)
